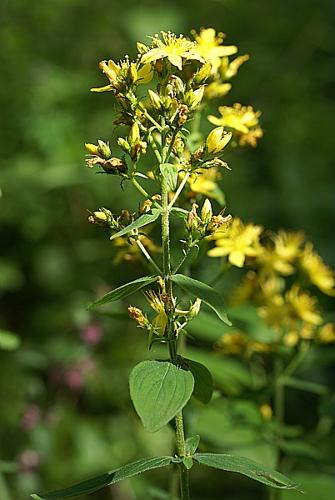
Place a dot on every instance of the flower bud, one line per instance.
(203, 73)
(92, 148)
(155, 99)
(134, 134)
(136, 314)
(194, 309)
(124, 144)
(132, 72)
(195, 97)
(192, 222)
(217, 139)
(206, 211)
(104, 150)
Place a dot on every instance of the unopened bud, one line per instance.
(203, 73)
(155, 99)
(92, 148)
(194, 309)
(206, 211)
(192, 221)
(134, 134)
(217, 139)
(124, 144)
(194, 97)
(104, 150)
(132, 72)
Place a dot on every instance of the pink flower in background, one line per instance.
(31, 417)
(91, 334)
(28, 460)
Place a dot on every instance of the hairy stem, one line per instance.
(172, 341)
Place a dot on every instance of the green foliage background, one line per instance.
(53, 263)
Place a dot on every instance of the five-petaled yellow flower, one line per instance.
(209, 46)
(174, 48)
(237, 242)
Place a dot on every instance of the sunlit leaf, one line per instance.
(159, 390)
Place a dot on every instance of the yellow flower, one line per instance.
(215, 90)
(303, 305)
(160, 321)
(209, 46)
(327, 333)
(229, 69)
(174, 48)
(241, 119)
(280, 257)
(291, 339)
(237, 242)
(266, 411)
(317, 271)
(288, 244)
(206, 184)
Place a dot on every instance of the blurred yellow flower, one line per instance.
(215, 90)
(206, 184)
(241, 119)
(327, 333)
(174, 48)
(303, 305)
(237, 242)
(209, 46)
(228, 69)
(317, 271)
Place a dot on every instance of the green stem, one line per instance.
(169, 307)
(279, 413)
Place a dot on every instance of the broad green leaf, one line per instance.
(9, 341)
(191, 444)
(159, 390)
(107, 479)
(123, 291)
(170, 174)
(203, 381)
(143, 220)
(258, 472)
(204, 292)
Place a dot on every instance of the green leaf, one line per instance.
(204, 292)
(254, 470)
(159, 390)
(170, 174)
(123, 291)
(9, 341)
(203, 381)
(191, 444)
(107, 479)
(188, 462)
(143, 220)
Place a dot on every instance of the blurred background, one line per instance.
(65, 410)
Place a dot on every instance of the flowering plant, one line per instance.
(160, 98)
